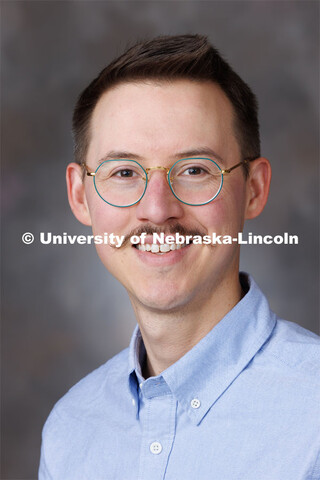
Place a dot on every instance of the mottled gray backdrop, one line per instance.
(63, 314)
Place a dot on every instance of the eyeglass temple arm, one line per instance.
(89, 174)
(246, 160)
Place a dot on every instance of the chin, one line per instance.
(165, 299)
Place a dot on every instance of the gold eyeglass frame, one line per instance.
(167, 170)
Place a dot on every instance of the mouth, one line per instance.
(163, 253)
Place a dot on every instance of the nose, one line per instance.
(159, 205)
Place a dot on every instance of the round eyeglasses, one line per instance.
(194, 181)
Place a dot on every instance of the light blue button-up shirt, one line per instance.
(243, 404)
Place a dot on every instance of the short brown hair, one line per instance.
(168, 58)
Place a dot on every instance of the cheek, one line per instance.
(225, 215)
(105, 218)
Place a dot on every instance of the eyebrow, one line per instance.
(195, 152)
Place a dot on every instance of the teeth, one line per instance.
(156, 248)
(164, 248)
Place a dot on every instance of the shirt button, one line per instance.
(195, 403)
(133, 402)
(156, 448)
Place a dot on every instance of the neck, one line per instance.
(169, 335)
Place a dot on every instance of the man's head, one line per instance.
(188, 57)
(133, 111)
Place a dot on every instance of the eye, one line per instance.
(194, 171)
(119, 172)
(124, 173)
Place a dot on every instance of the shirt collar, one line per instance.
(207, 370)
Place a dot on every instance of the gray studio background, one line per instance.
(63, 314)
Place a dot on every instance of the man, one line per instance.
(214, 385)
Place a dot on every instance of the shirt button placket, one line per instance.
(158, 421)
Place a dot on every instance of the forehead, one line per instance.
(161, 118)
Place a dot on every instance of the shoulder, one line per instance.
(93, 389)
(295, 348)
(83, 411)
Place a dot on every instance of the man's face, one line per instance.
(158, 123)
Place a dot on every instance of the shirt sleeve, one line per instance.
(43, 473)
(316, 470)
(44, 470)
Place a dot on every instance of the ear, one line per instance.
(258, 184)
(76, 193)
